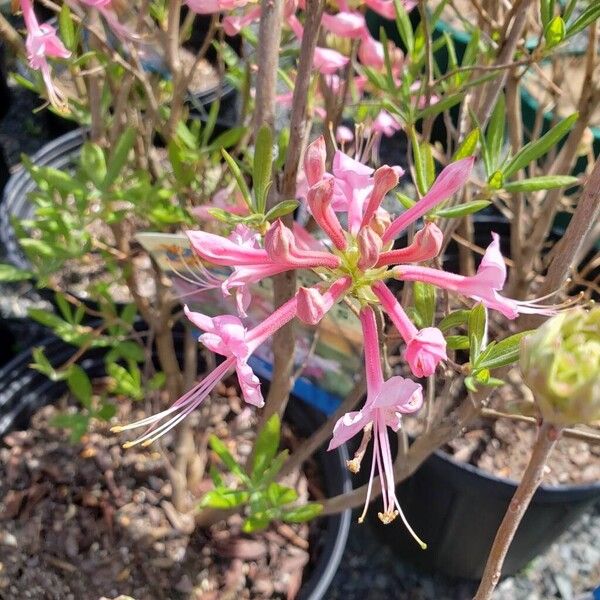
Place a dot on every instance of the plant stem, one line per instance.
(269, 35)
(284, 285)
(548, 435)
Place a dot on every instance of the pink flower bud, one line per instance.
(425, 351)
(279, 242)
(312, 305)
(314, 161)
(319, 201)
(384, 180)
(369, 247)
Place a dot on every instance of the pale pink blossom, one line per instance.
(386, 8)
(482, 287)
(426, 245)
(448, 182)
(43, 43)
(233, 24)
(386, 124)
(345, 24)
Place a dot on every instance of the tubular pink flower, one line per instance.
(281, 247)
(482, 287)
(448, 182)
(386, 8)
(314, 161)
(384, 179)
(426, 245)
(208, 7)
(221, 251)
(43, 43)
(319, 200)
(233, 24)
(328, 61)
(426, 348)
(425, 351)
(314, 305)
(369, 247)
(370, 52)
(386, 402)
(386, 124)
(345, 24)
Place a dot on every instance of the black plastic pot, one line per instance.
(23, 391)
(457, 508)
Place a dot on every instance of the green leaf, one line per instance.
(266, 446)
(495, 131)
(219, 448)
(93, 163)
(425, 297)
(477, 328)
(42, 364)
(64, 307)
(262, 167)
(256, 523)
(66, 27)
(555, 32)
(273, 469)
(12, 273)
(496, 181)
(303, 513)
(460, 210)
(404, 200)
(587, 17)
(470, 384)
(468, 146)
(223, 498)
(454, 319)
(157, 381)
(440, 106)
(428, 164)
(457, 342)
(420, 174)
(126, 382)
(283, 208)
(546, 11)
(533, 150)
(404, 27)
(118, 157)
(239, 178)
(78, 424)
(107, 411)
(543, 182)
(502, 353)
(278, 494)
(127, 349)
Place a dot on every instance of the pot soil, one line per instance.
(90, 519)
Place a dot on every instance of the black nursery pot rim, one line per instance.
(23, 390)
(545, 493)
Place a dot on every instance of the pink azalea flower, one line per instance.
(386, 402)
(448, 182)
(43, 43)
(345, 24)
(313, 304)
(482, 287)
(208, 7)
(386, 8)
(426, 245)
(385, 124)
(225, 335)
(426, 348)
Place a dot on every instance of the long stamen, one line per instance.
(407, 525)
(370, 486)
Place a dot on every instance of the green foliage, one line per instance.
(264, 499)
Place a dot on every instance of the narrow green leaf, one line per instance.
(454, 319)
(107, 412)
(283, 208)
(64, 307)
(502, 353)
(223, 498)
(405, 201)
(12, 273)
(239, 178)
(303, 513)
(273, 469)
(533, 150)
(278, 494)
(255, 523)
(118, 157)
(496, 181)
(262, 168)
(544, 182)
(460, 210)
(420, 176)
(468, 146)
(425, 297)
(457, 342)
(266, 446)
(477, 328)
(80, 385)
(495, 131)
(93, 163)
(555, 32)
(587, 17)
(219, 448)
(404, 27)
(66, 27)
(442, 105)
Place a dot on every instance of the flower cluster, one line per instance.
(355, 263)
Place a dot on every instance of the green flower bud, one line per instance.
(560, 362)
